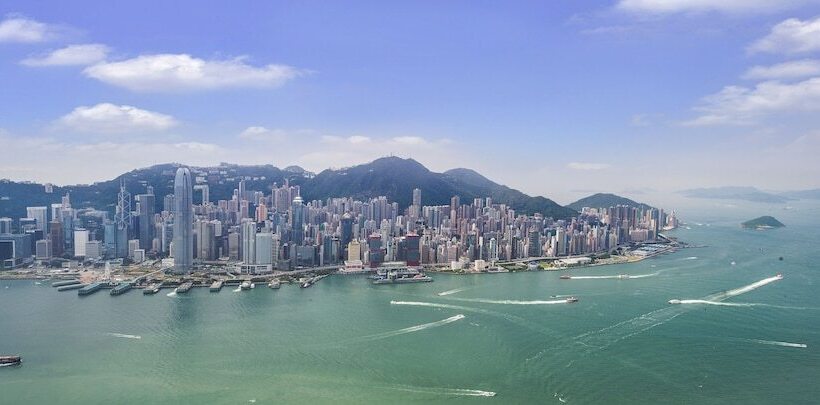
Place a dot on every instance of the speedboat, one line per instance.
(779, 276)
(572, 300)
(623, 276)
(674, 301)
(565, 277)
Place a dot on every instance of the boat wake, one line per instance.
(416, 328)
(453, 291)
(446, 391)
(511, 318)
(690, 258)
(776, 343)
(616, 276)
(736, 304)
(171, 294)
(238, 289)
(122, 335)
(745, 289)
(512, 302)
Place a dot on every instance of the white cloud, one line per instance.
(795, 69)
(110, 118)
(17, 28)
(258, 133)
(410, 140)
(175, 72)
(588, 166)
(701, 6)
(743, 105)
(790, 36)
(83, 55)
(358, 139)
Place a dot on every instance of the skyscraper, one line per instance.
(40, 214)
(146, 227)
(297, 214)
(183, 221)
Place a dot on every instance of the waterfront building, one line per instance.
(183, 222)
(80, 241)
(5, 225)
(145, 210)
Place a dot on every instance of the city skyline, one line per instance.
(592, 93)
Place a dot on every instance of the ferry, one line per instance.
(572, 300)
(246, 285)
(216, 286)
(274, 284)
(184, 287)
(10, 361)
(565, 277)
(403, 276)
(152, 289)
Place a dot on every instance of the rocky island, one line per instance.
(764, 222)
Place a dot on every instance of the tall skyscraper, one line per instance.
(297, 214)
(346, 231)
(146, 226)
(183, 221)
(5, 225)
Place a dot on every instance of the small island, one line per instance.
(764, 222)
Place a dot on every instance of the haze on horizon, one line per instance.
(553, 99)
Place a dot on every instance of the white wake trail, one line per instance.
(777, 343)
(617, 276)
(122, 335)
(750, 287)
(446, 391)
(453, 291)
(171, 294)
(416, 328)
(512, 302)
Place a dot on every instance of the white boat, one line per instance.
(274, 284)
(674, 301)
(246, 285)
(623, 276)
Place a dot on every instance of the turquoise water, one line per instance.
(342, 341)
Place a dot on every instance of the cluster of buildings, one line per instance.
(258, 231)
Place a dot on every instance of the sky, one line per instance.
(557, 98)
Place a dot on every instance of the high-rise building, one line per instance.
(264, 245)
(80, 241)
(297, 214)
(145, 206)
(43, 249)
(375, 252)
(354, 251)
(248, 242)
(346, 230)
(412, 241)
(5, 225)
(183, 221)
(40, 214)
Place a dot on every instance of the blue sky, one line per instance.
(554, 98)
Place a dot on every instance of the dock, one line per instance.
(122, 288)
(91, 288)
(216, 285)
(184, 287)
(152, 289)
(76, 286)
(65, 283)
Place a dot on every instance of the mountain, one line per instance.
(764, 222)
(396, 178)
(735, 193)
(603, 200)
(391, 176)
(803, 194)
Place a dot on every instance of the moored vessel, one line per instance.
(10, 361)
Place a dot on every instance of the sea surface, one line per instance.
(459, 339)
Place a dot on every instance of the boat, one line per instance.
(623, 276)
(152, 289)
(184, 287)
(399, 278)
(246, 285)
(674, 301)
(10, 361)
(572, 300)
(274, 284)
(779, 276)
(216, 286)
(733, 263)
(565, 277)
(91, 288)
